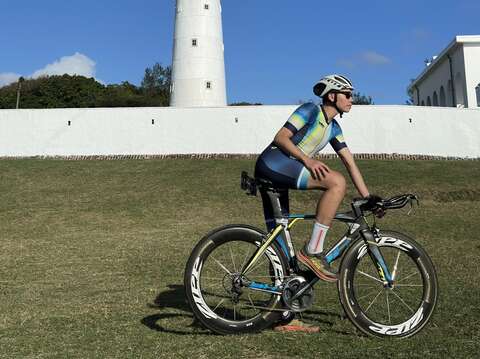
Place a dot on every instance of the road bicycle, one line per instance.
(240, 279)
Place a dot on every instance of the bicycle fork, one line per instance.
(369, 236)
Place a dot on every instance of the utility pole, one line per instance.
(19, 88)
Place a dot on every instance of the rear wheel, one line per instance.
(216, 292)
(377, 309)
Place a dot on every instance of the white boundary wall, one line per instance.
(230, 130)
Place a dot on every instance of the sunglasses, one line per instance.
(348, 95)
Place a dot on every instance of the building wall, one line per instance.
(230, 130)
(439, 76)
(472, 64)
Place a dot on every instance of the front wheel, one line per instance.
(216, 291)
(399, 310)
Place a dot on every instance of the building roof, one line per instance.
(461, 39)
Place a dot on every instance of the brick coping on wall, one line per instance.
(361, 156)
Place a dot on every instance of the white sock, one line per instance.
(318, 237)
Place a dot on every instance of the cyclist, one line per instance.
(289, 163)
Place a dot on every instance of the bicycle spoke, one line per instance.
(247, 255)
(259, 261)
(388, 309)
(211, 285)
(365, 296)
(394, 273)
(221, 265)
(403, 302)
(221, 301)
(233, 260)
(408, 285)
(214, 279)
(370, 276)
(261, 276)
(408, 276)
(373, 301)
(213, 295)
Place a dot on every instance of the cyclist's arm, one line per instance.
(283, 140)
(353, 170)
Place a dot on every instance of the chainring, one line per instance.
(291, 287)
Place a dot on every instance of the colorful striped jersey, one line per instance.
(312, 132)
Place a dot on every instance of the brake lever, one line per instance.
(411, 198)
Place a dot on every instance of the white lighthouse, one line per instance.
(198, 66)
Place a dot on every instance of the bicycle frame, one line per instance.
(358, 230)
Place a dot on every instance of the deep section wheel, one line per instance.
(399, 310)
(220, 297)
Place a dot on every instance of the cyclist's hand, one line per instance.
(318, 169)
(373, 202)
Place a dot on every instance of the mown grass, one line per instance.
(92, 256)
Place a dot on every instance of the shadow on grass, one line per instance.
(321, 316)
(324, 318)
(173, 298)
(153, 322)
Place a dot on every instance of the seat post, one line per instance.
(275, 206)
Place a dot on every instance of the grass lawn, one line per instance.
(92, 256)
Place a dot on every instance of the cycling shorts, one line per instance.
(281, 169)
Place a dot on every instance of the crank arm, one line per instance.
(304, 289)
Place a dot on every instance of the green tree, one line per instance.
(78, 91)
(359, 99)
(156, 84)
(53, 92)
(123, 95)
(243, 103)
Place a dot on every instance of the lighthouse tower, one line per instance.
(198, 67)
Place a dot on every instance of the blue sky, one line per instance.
(274, 50)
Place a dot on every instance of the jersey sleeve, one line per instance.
(337, 141)
(300, 117)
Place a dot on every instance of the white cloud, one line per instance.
(349, 64)
(374, 58)
(77, 64)
(7, 78)
(367, 57)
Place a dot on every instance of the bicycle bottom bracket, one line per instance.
(291, 288)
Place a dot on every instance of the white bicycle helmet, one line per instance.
(332, 83)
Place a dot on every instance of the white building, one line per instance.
(198, 67)
(451, 79)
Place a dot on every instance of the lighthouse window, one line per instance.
(206, 6)
(209, 85)
(194, 42)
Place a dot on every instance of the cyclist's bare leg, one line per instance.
(311, 255)
(334, 185)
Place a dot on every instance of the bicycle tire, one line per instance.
(412, 298)
(201, 279)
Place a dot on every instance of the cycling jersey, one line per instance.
(311, 133)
